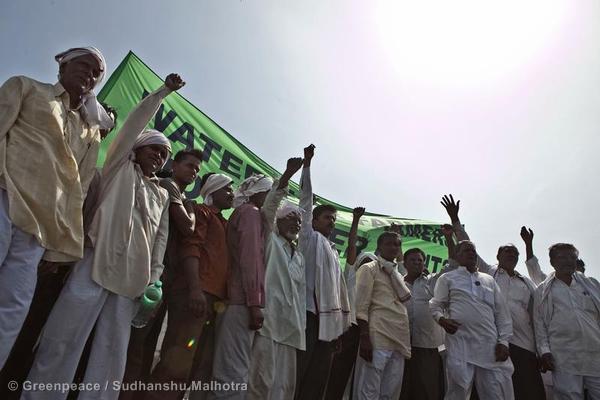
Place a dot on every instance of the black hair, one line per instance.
(188, 152)
(561, 246)
(415, 250)
(323, 208)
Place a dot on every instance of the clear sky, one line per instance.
(405, 100)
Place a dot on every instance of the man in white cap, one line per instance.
(198, 281)
(128, 236)
(246, 233)
(49, 139)
(273, 365)
(142, 343)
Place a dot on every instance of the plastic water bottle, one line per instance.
(147, 305)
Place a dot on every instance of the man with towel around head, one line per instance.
(49, 140)
(273, 365)
(128, 236)
(199, 280)
(246, 233)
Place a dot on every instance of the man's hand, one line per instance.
(197, 303)
(527, 235)
(366, 348)
(451, 207)
(447, 230)
(501, 352)
(309, 153)
(358, 212)
(174, 82)
(256, 318)
(449, 325)
(547, 362)
(293, 165)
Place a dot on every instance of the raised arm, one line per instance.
(533, 266)
(135, 123)
(357, 213)
(452, 208)
(279, 191)
(306, 193)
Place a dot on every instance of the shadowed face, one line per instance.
(223, 198)
(151, 158)
(414, 264)
(81, 74)
(466, 254)
(186, 170)
(325, 222)
(564, 261)
(289, 227)
(389, 248)
(508, 257)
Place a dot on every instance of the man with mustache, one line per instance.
(127, 240)
(567, 326)
(273, 365)
(518, 290)
(142, 344)
(327, 306)
(49, 141)
(469, 306)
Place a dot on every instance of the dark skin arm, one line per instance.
(451, 207)
(527, 236)
(309, 153)
(448, 233)
(183, 217)
(547, 362)
(196, 298)
(501, 352)
(293, 165)
(351, 251)
(366, 347)
(449, 325)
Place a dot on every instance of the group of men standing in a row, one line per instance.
(257, 303)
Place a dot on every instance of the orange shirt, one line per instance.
(209, 245)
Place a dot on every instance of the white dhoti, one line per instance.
(381, 378)
(571, 387)
(233, 352)
(272, 370)
(20, 254)
(81, 305)
(491, 384)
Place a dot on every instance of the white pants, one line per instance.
(20, 254)
(81, 305)
(233, 352)
(381, 378)
(571, 387)
(272, 370)
(491, 384)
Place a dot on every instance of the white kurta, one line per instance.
(473, 300)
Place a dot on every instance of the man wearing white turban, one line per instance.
(246, 233)
(273, 360)
(48, 152)
(128, 236)
(197, 283)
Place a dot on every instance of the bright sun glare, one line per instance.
(467, 42)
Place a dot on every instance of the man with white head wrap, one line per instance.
(273, 364)
(128, 235)
(247, 230)
(48, 153)
(198, 282)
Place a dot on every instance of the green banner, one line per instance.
(188, 127)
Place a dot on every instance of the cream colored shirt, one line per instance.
(130, 227)
(47, 160)
(378, 304)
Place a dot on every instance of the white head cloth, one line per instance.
(152, 136)
(288, 208)
(251, 186)
(91, 111)
(212, 184)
